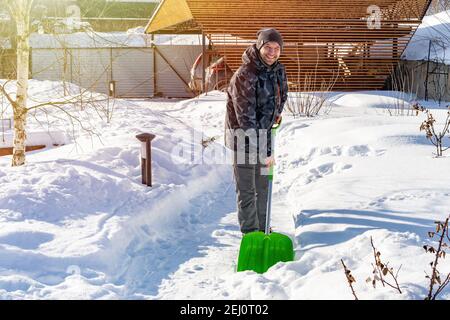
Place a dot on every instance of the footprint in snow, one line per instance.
(27, 240)
(325, 170)
(363, 151)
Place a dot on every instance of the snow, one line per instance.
(35, 138)
(436, 28)
(76, 222)
(131, 38)
(89, 40)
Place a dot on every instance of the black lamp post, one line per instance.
(146, 157)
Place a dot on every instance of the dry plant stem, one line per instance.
(380, 267)
(350, 279)
(435, 272)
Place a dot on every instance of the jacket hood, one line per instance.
(252, 58)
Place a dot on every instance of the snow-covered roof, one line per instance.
(132, 38)
(89, 40)
(436, 28)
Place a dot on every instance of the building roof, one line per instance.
(351, 43)
(172, 16)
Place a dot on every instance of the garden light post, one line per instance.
(146, 157)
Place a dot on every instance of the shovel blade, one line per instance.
(259, 252)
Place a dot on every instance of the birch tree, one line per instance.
(78, 105)
(20, 11)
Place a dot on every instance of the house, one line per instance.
(424, 70)
(344, 45)
(101, 15)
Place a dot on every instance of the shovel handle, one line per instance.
(271, 169)
(274, 131)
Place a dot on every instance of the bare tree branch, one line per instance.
(6, 94)
(441, 231)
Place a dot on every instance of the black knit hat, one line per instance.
(266, 35)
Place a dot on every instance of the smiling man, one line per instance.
(255, 99)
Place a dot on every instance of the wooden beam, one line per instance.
(331, 39)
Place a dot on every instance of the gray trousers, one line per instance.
(251, 189)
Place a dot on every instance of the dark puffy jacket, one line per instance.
(255, 97)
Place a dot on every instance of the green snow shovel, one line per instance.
(261, 250)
